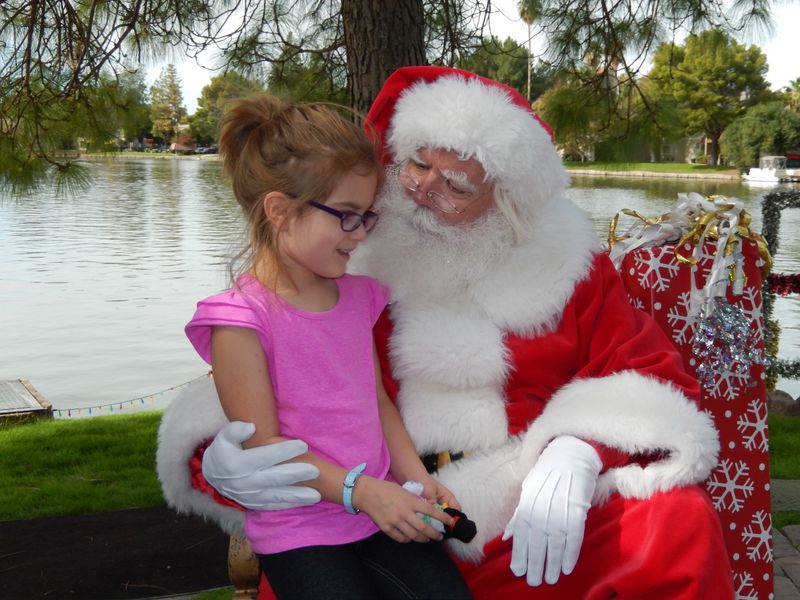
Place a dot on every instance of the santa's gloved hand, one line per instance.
(548, 523)
(257, 478)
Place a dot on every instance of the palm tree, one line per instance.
(529, 11)
(793, 89)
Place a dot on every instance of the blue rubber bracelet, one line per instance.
(349, 484)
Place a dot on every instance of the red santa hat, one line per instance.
(453, 109)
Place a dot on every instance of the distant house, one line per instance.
(180, 148)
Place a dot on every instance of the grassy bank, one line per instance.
(101, 156)
(784, 451)
(784, 447)
(665, 168)
(52, 468)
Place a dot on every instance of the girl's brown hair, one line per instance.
(300, 149)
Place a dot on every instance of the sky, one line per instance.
(780, 48)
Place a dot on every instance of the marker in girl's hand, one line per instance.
(462, 528)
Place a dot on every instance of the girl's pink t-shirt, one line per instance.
(323, 376)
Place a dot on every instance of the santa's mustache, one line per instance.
(412, 247)
(399, 210)
(395, 202)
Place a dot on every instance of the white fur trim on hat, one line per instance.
(481, 121)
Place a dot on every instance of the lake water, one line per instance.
(96, 287)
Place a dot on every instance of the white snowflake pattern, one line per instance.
(704, 261)
(752, 424)
(636, 302)
(757, 537)
(744, 586)
(751, 306)
(678, 318)
(727, 384)
(656, 269)
(730, 485)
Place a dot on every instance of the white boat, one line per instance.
(771, 169)
(793, 165)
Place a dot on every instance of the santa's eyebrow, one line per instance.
(460, 179)
(415, 157)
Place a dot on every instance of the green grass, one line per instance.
(784, 447)
(782, 519)
(652, 167)
(217, 594)
(54, 467)
(784, 450)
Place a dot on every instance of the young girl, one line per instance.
(291, 349)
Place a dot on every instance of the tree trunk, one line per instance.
(713, 155)
(530, 65)
(380, 37)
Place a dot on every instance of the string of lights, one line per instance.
(113, 407)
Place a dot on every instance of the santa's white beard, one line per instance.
(423, 259)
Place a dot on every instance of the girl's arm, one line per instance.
(244, 386)
(406, 464)
(245, 391)
(243, 383)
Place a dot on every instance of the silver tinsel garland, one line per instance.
(725, 343)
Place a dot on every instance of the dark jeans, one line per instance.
(371, 569)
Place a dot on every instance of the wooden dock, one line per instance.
(20, 402)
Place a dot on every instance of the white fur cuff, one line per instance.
(637, 415)
(193, 416)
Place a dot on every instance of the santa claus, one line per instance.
(559, 416)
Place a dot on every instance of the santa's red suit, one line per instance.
(533, 339)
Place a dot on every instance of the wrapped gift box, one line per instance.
(657, 260)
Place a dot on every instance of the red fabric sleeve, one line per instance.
(599, 334)
(610, 457)
(614, 336)
(628, 338)
(199, 482)
(622, 337)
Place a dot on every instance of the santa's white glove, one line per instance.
(548, 523)
(255, 477)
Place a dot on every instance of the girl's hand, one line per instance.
(393, 509)
(434, 491)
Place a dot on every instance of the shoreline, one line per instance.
(654, 174)
(638, 174)
(150, 156)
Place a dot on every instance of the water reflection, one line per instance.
(667, 188)
(96, 287)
